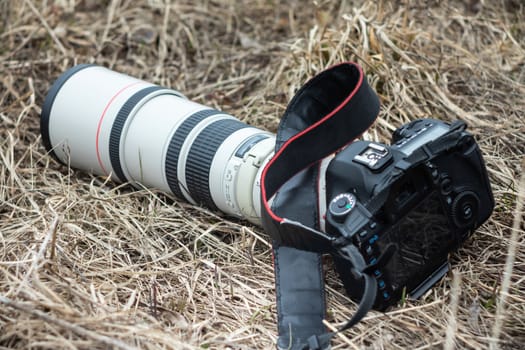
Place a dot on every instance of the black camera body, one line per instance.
(407, 206)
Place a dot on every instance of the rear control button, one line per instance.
(446, 186)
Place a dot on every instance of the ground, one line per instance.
(86, 263)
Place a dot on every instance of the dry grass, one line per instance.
(92, 265)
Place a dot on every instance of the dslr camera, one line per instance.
(398, 209)
(406, 206)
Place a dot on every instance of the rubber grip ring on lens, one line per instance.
(201, 155)
(176, 143)
(118, 126)
(48, 105)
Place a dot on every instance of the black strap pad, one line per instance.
(299, 281)
(300, 296)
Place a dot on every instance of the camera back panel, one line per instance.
(428, 212)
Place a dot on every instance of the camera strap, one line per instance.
(326, 114)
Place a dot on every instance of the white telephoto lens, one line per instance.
(111, 124)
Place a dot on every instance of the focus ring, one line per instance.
(174, 148)
(118, 126)
(201, 155)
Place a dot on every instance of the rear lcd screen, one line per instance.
(423, 239)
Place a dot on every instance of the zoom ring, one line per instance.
(174, 148)
(201, 156)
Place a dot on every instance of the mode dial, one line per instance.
(342, 205)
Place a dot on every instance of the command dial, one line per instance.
(341, 205)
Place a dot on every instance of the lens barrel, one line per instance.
(111, 124)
